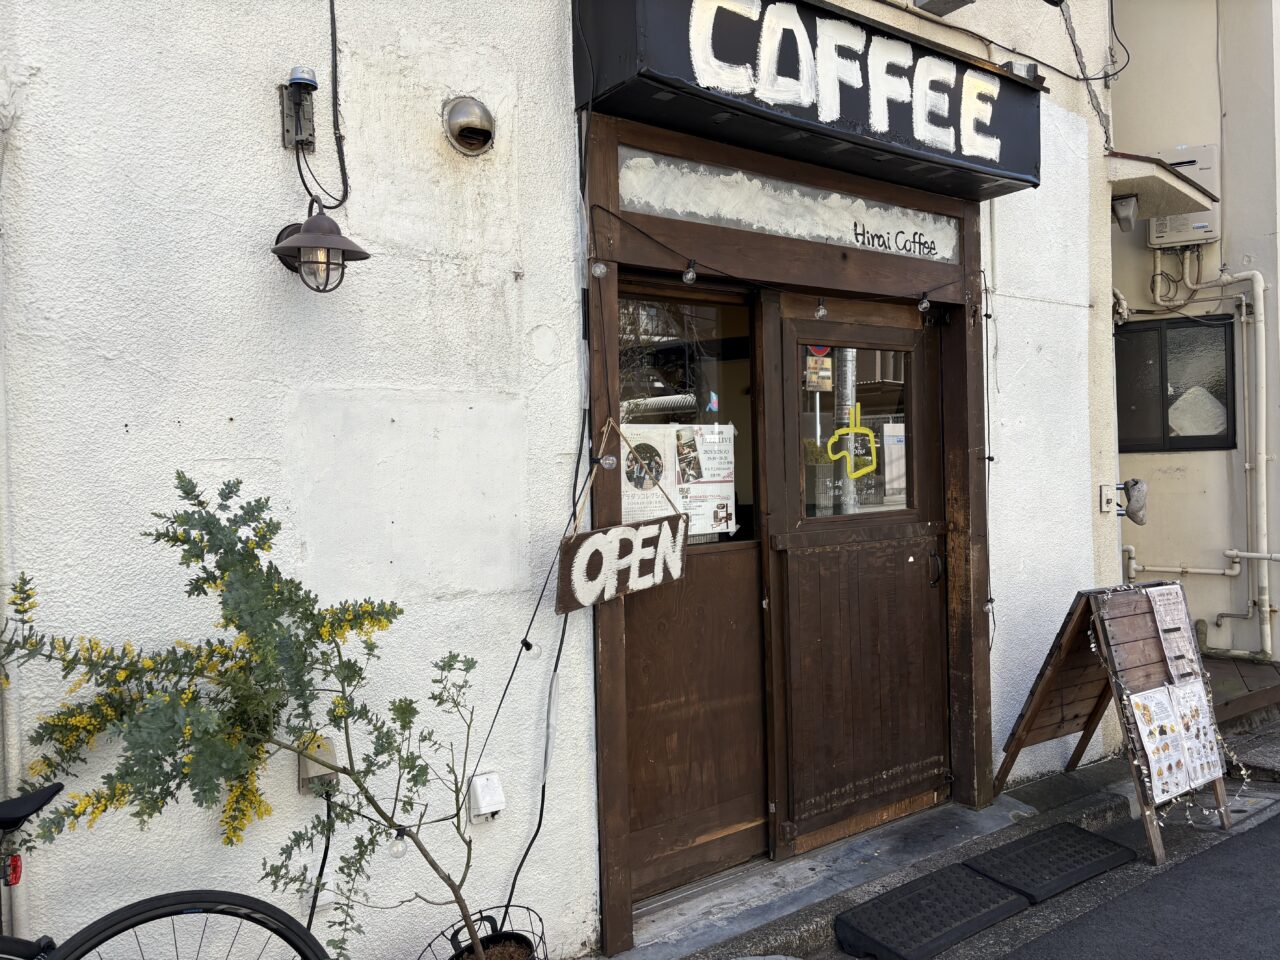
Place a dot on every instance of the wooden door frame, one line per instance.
(633, 240)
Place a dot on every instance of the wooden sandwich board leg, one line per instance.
(1095, 718)
(1149, 821)
(1152, 826)
(1220, 798)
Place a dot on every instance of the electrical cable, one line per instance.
(987, 317)
(555, 669)
(525, 644)
(337, 127)
(542, 801)
(324, 856)
(990, 43)
(591, 99)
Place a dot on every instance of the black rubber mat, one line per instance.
(1045, 863)
(922, 918)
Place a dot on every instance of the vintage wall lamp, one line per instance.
(315, 250)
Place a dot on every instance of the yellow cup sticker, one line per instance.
(850, 468)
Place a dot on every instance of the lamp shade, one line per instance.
(318, 252)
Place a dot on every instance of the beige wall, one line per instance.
(1170, 96)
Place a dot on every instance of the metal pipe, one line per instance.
(1260, 534)
(1247, 555)
(1133, 567)
(1231, 571)
(1261, 543)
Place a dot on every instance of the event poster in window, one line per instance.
(690, 465)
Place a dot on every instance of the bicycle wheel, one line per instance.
(195, 925)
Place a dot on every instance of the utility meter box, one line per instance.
(485, 797)
(1200, 164)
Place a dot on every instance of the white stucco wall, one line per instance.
(415, 429)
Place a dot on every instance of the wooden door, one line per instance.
(859, 547)
(694, 649)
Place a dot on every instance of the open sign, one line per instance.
(601, 565)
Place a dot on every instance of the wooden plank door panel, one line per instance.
(695, 720)
(868, 735)
(867, 670)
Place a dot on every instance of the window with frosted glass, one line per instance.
(1175, 385)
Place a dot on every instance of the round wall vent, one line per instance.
(468, 125)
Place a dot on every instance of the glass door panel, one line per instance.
(686, 376)
(855, 429)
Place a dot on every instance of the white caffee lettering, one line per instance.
(801, 90)
(839, 56)
(835, 70)
(707, 70)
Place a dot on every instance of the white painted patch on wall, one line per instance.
(708, 193)
(387, 476)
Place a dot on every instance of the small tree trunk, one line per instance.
(477, 948)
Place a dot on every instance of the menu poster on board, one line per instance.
(1199, 732)
(1162, 739)
(692, 463)
(1176, 633)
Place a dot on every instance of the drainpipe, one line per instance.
(1261, 459)
(1260, 543)
(1259, 555)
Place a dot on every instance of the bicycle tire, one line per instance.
(247, 909)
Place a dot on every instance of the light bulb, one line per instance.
(690, 274)
(599, 270)
(321, 267)
(399, 846)
(821, 312)
(924, 304)
(609, 462)
(535, 651)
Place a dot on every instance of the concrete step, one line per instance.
(1092, 798)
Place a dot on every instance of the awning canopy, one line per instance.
(811, 82)
(1162, 190)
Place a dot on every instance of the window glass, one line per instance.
(686, 394)
(854, 429)
(1197, 365)
(1138, 387)
(1175, 387)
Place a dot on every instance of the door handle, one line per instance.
(935, 561)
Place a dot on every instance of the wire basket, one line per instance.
(515, 925)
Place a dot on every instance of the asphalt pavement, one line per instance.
(1221, 903)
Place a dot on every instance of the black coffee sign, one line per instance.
(815, 72)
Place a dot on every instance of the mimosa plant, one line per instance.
(203, 718)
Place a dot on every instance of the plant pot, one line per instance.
(506, 932)
(519, 947)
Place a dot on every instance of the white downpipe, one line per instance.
(1261, 458)
(1259, 536)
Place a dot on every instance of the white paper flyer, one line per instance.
(1176, 633)
(1162, 739)
(1199, 732)
(692, 463)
